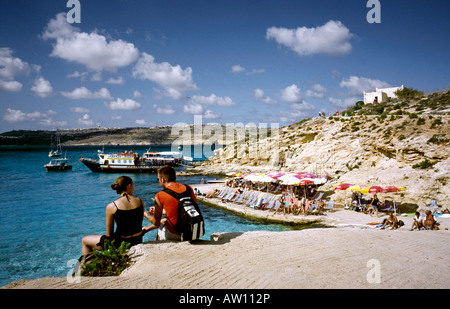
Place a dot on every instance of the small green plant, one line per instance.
(424, 164)
(436, 122)
(109, 262)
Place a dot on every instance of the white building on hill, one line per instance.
(381, 94)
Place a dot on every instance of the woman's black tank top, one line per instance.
(128, 222)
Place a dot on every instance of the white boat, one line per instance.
(131, 162)
(56, 165)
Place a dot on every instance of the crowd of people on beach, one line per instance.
(372, 206)
(274, 196)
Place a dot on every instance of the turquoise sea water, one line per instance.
(44, 215)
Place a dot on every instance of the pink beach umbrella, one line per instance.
(309, 175)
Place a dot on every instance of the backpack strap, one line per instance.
(176, 195)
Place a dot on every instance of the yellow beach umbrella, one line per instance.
(355, 188)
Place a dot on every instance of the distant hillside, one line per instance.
(403, 142)
(102, 136)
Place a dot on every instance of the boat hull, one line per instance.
(96, 167)
(57, 168)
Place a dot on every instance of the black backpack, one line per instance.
(190, 224)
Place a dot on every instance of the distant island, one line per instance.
(162, 135)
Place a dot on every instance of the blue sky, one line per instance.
(146, 62)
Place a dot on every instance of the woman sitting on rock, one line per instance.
(127, 212)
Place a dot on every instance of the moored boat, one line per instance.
(131, 162)
(56, 165)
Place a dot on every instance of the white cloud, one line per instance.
(241, 69)
(86, 121)
(345, 102)
(141, 122)
(357, 85)
(15, 115)
(84, 93)
(292, 116)
(116, 81)
(332, 39)
(90, 49)
(79, 110)
(42, 87)
(209, 114)
(237, 69)
(193, 108)
(212, 100)
(291, 94)
(136, 94)
(127, 104)
(302, 106)
(166, 110)
(10, 68)
(173, 79)
(77, 74)
(317, 92)
(10, 86)
(259, 95)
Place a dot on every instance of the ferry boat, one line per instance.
(56, 165)
(131, 162)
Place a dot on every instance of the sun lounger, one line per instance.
(242, 196)
(330, 205)
(229, 196)
(252, 199)
(313, 209)
(223, 192)
(271, 203)
(319, 196)
(259, 200)
(277, 205)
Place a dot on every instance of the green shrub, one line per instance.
(420, 121)
(407, 93)
(438, 139)
(436, 122)
(109, 262)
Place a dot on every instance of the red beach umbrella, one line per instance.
(343, 186)
(305, 182)
(393, 189)
(372, 189)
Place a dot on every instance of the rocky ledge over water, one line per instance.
(403, 143)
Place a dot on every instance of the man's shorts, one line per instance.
(165, 234)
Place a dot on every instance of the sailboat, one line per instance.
(58, 151)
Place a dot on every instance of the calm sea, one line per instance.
(44, 215)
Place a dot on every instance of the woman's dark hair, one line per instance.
(121, 184)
